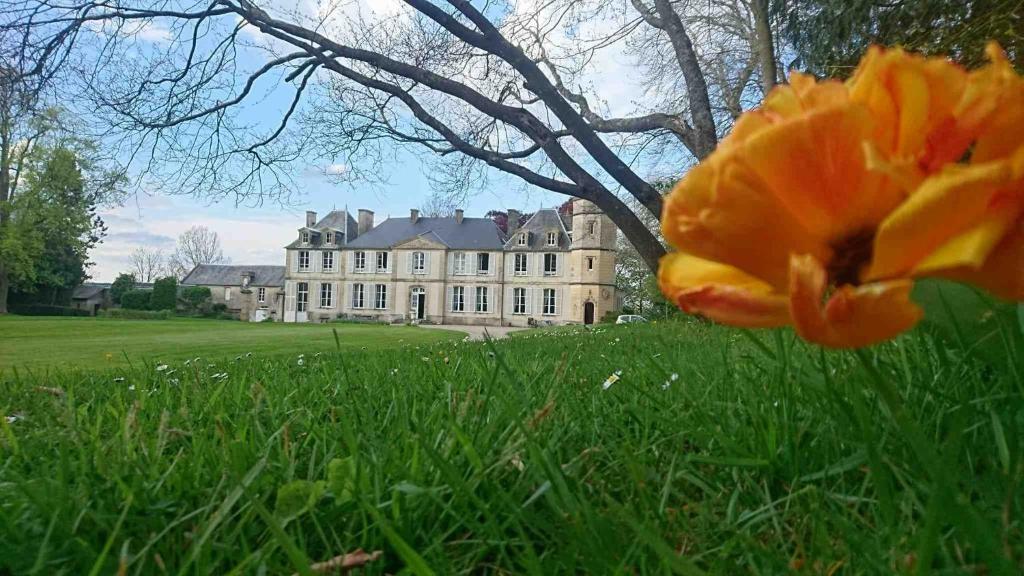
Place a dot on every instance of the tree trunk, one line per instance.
(635, 231)
(4, 286)
(764, 44)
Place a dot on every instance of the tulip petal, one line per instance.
(719, 212)
(814, 164)
(720, 292)
(971, 248)
(1003, 272)
(944, 206)
(911, 97)
(853, 317)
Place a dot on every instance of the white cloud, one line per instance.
(335, 169)
(248, 236)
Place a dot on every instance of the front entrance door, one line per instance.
(588, 313)
(418, 303)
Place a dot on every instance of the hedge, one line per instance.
(129, 314)
(136, 299)
(165, 294)
(47, 310)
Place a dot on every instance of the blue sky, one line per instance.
(256, 235)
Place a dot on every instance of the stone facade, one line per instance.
(552, 270)
(253, 293)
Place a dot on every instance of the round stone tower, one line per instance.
(592, 263)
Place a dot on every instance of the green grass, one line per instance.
(38, 342)
(762, 456)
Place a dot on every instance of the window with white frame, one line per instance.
(458, 299)
(519, 268)
(326, 295)
(303, 260)
(459, 262)
(261, 295)
(227, 294)
(358, 296)
(552, 238)
(305, 237)
(550, 264)
(329, 237)
(382, 261)
(380, 297)
(590, 262)
(482, 301)
(419, 263)
(359, 261)
(522, 239)
(328, 261)
(549, 302)
(483, 263)
(519, 300)
(301, 296)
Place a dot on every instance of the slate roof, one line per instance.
(543, 221)
(334, 220)
(470, 234)
(231, 275)
(86, 291)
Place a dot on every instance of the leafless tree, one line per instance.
(197, 245)
(148, 264)
(499, 85)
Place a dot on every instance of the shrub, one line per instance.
(219, 308)
(47, 310)
(123, 283)
(165, 294)
(136, 299)
(196, 298)
(129, 314)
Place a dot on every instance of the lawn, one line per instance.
(674, 447)
(38, 342)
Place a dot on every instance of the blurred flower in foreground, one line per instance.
(822, 206)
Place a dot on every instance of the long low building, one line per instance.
(554, 269)
(254, 293)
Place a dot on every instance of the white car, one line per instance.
(630, 319)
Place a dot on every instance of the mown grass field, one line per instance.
(714, 451)
(40, 342)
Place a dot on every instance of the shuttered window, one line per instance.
(358, 295)
(519, 300)
(550, 307)
(303, 260)
(380, 296)
(302, 297)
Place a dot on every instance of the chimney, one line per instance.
(414, 215)
(458, 215)
(512, 222)
(365, 221)
(310, 218)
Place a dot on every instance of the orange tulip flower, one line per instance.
(822, 206)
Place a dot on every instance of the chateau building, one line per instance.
(553, 269)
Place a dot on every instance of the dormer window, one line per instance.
(552, 238)
(305, 237)
(522, 239)
(329, 237)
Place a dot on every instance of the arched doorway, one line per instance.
(588, 313)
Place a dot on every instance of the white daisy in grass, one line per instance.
(12, 418)
(119, 379)
(301, 361)
(248, 354)
(161, 367)
(131, 388)
(425, 359)
(670, 380)
(615, 377)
